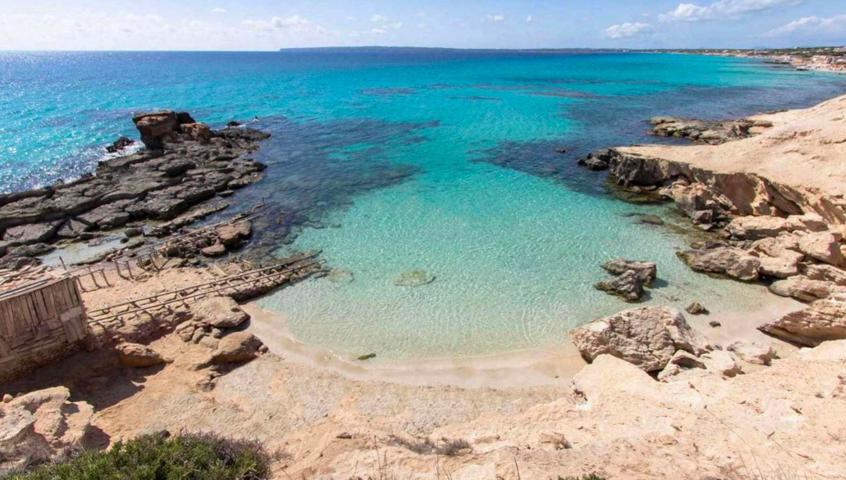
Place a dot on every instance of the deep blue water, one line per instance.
(395, 160)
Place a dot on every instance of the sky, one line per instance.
(274, 24)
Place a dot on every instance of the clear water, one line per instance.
(391, 161)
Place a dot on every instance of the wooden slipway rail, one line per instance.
(241, 286)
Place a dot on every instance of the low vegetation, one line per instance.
(159, 457)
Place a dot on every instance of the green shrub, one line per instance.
(159, 457)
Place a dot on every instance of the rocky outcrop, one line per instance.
(704, 131)
(41, 426)
(821, 321)
(208, 241)
(744, 193)
(181, 168)
(647, 337)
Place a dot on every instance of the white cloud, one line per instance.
(293, 24)
(384, 24)
(496, 18)
(530, 19)
(816, 25)
(218, 10)
(627, 30)
(691, 12)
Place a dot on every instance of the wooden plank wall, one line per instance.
(40, 324)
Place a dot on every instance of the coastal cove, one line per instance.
(446, 162)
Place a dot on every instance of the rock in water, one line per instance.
(339, 275)
(646, 271)
(119, 144)
(627, 285)
(137, 355)
(647, 337)
(414, 278)
(219, 312)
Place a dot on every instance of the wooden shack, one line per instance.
(40, 321)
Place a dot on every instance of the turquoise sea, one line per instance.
(406, 159)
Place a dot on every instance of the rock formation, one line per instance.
(647, 337)
(41, 426)
(184, 165)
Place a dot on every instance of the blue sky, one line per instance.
(269, 25)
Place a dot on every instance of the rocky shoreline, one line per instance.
(787, 237)
(185, 171)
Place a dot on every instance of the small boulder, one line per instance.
(627, 285)
(696, 308)
(215, 250)
(729, 261)
(826, 273)
(752, 352)
(647, 337)
(722, 362)
(138, 356)
(237, 347)
(598, 160)
(802, 288)
(646, 271)
(823, 246)
(219, 312)
(233, 234)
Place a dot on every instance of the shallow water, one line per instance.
(392, 161)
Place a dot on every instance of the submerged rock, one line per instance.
(647, 337)
(339, 275)
(646, 271)
(598, 160)
(414, 278)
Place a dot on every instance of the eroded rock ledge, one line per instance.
(184, 164)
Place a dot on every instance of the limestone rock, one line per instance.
(627, 285)
(823, 246)
(219, 312)
(233, 234)
(215, 250)
(156, 128)
(752, 352)
(722, 362)
(826, 273)
(41, 426)
(137, 355)
(647, 337)
(809, 221)
(821, 321)
(757, 227)
(802, 288)
(646, 271)
(730, 261)
(237, 347)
